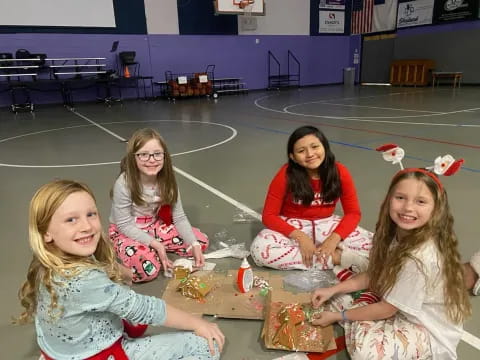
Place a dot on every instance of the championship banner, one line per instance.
(454, 10)
(332, 4)
(331, 22)
(414, 13)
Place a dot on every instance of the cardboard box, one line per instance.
(224, 300)
(312, 339)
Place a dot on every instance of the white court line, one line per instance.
(220, 194)
(467, 337)
(381, 117)
(370, 118)
(99, 126)
(41, 132)
(256, 101)
(362, 119)
(57, 166)
(380, 108)
(471, 340)
(234, 134)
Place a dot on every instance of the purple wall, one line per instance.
(322, 58)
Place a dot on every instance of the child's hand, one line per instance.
(329, 245)
(307, 247)
(327, 318)
(162, 254)
(198, 255)
(210, 331)
(319, 296)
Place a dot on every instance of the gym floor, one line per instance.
(226, 151)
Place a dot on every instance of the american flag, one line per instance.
(362, 15)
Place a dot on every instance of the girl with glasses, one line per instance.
(147, 218)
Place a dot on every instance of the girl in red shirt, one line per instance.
(301, 228)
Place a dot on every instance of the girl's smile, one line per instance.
(75, 227)
(411, 205)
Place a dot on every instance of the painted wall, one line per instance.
(322, 57)
(446, 44)
(162, 16)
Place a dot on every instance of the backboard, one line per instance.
(241, 7)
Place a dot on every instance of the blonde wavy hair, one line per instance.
(48, 260)
(439, 228)
(166, 177)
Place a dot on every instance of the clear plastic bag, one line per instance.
(236, 250)
(311, 279)
(222, 240)
(243, 217)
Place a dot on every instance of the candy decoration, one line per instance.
(289, 316)
(194, 287)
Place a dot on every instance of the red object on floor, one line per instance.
(340, 341)
(134, 331)
(115, 351)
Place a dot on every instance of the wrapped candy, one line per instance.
(262, 284)
(194, 287)
(311, 313)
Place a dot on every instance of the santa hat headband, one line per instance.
(443, 165)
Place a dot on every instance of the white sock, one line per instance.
(357, 262)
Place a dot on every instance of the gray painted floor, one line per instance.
(235, 145)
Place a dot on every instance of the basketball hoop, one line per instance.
(246, 3)
(247, 21)
(242, 4)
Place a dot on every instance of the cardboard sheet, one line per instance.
(313, 339)
(224, 300)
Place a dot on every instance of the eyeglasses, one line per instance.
(145, 156)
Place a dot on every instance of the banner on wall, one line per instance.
(331, 22)
(373, 16)
(414, 13)
(332, 4)
(454, 10)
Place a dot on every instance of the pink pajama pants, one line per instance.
(141, 258)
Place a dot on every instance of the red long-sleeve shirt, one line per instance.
(279, 203)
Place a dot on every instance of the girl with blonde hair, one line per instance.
(415, 268)
(147, 217)
(74, 295)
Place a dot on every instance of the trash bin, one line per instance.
(349, 76)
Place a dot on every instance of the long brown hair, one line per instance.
(439, 228)
(298, 180)
(166, 181)
(48, 260)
